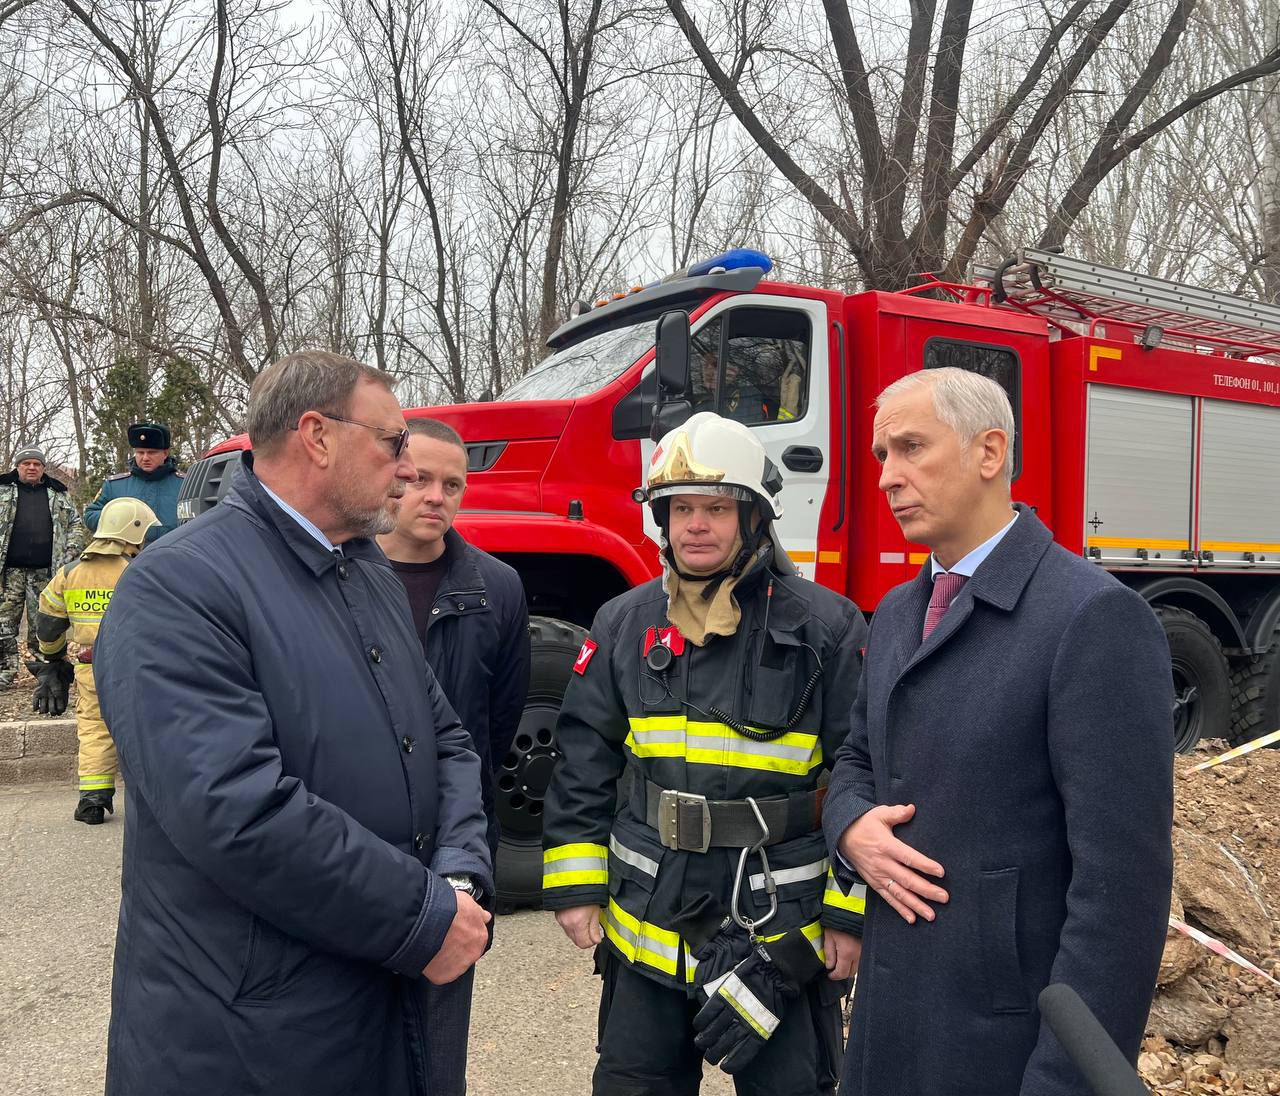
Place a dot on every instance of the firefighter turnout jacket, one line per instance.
(77, 596)
(628, 733)
(75, 600)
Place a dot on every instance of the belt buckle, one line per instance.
(670, 805)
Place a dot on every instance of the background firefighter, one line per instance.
(77, 598)
(729, 677)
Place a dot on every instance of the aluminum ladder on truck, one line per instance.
(1075, 293)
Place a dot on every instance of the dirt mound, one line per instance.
(1214, 1027)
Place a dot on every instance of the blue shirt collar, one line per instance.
(974, 559)
(306, 523)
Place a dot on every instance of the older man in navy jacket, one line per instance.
(304, 830)
(1006, 788)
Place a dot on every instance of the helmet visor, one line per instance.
(723, 490)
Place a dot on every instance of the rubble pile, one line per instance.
(1215, 1027)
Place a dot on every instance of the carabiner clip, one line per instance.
(770, 887)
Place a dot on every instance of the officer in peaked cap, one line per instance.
(153, 477)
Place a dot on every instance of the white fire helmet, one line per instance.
(710, 455)
(123, 523)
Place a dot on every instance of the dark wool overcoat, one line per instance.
(1033, 732)
(296, 784)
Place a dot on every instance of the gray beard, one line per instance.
(359, 519)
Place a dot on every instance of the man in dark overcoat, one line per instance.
(304, 828)
(1005, 792)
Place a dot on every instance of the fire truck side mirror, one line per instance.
(671, 364)
(672, 355)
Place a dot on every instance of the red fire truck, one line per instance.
(1148, 439)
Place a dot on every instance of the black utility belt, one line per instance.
(693, 823)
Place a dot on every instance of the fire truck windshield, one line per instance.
(584, 367)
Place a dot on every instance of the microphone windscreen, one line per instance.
(1087, 1044)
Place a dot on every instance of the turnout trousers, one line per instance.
(98, 763)
(646, 1040)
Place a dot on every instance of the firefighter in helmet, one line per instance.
(76, 598)
(682, 834)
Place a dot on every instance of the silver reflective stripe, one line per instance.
(648, 737)
(736, 993)
(711, 988)
(630, 856)
(739, 745)
(792, 875)
(574, 863)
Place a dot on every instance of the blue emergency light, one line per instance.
(734, 259)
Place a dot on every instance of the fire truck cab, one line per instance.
(1148, 439)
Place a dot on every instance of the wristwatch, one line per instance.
(465, 883)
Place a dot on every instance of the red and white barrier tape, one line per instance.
(1219, 948)
(1240, 751)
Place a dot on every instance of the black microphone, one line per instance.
(1087, 1044)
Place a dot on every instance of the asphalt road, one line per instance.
(533, 1021)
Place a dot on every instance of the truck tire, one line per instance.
(1201, 679)
(524, 773)
(1255, 696)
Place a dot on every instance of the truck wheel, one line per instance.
(1201, 680)
(1255, 700)
(526, 770)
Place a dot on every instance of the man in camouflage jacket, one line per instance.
(40, 530)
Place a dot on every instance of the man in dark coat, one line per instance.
(304, 819)
(469, 611)
(1006, 788)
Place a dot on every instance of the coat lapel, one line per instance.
(998, 581)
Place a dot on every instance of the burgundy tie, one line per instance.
(945, 587)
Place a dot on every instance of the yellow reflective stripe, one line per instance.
(746, 1004)
(705, 743)
(97, 783)
(566, 852)
(55, 600)
(812, 933)
(575, 865)
(641, 942)
(575, 878)
(855, 901)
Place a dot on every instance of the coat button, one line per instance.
(461, 606)
(483, 601)
(408, 744)
(375, 653)
(343, 572)
(419, 840)
(435, 612)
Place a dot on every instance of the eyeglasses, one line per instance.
(400, 441)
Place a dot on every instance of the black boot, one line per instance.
(90, 810)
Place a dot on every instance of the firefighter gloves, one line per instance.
(53, 686)
(743, 1012)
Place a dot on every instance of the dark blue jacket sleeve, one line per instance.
(195, 738)
(91, 512)
(1110, 733)
(511, 678)
(840, 681)
(852, 791)
(461, 845)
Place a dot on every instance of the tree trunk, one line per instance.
(1267, 193)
